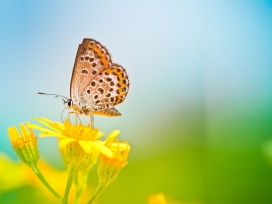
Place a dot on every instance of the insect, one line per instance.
(97, 84)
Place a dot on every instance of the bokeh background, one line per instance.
(199, 110)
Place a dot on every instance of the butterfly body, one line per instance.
(84, 110)
(97, 84)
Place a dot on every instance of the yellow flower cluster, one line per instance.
(80, 146)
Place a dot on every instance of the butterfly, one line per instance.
(97, 84)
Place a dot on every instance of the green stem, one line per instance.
(69, 183)
(42, 179)
(78, 194)
(81, 183)
(98, 191)
(78, 198)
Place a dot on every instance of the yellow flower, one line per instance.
(73, 138)
(25, 145)
(109, 168)
(158, 198)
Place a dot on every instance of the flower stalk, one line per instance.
(101, 187)
(82, 173)
(69, 183)
(75, 156)
(45, 183)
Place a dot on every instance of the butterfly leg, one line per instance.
(69, 115)
(77, 116)
(91, 124)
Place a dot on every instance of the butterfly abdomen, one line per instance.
(108, 112)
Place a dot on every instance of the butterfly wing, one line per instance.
(106, 90)
(91, 59)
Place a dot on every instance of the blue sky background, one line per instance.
(211, 59)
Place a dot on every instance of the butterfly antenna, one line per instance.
(53, 95)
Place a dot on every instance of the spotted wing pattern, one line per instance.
(91, 59)
(97, 85)
(107, 89)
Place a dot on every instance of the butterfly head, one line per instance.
(68, 103)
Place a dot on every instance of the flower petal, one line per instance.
(114, 133)
(59, 126)
(46, 134)
(119, 146)
(47, 123)
(85, 146)
(111, 137)
(100, 134)
(37, 127)
(98, 145)
(66, 141)
(44, 119)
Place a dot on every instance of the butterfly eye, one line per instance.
(69, 103)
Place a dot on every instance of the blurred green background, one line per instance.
(198, 112)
